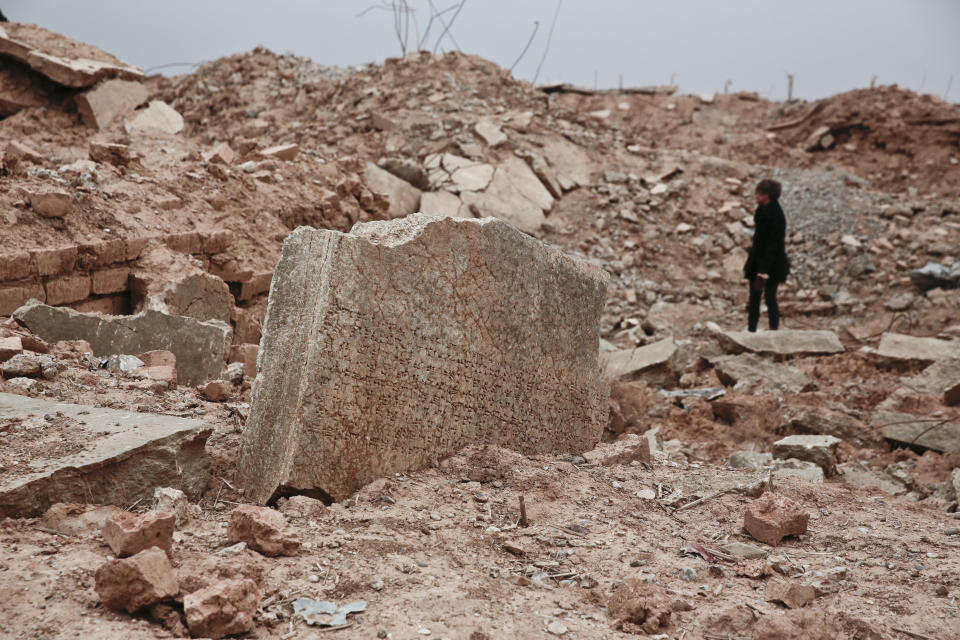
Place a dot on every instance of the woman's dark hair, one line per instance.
(771, 188)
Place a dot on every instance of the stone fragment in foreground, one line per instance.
(402, 342)
(772, 517)
(820, 450)
(223, 609)
(126, 455)
(128, 533)
(201, 348)
(786, 342)
(263, 529)
(136, 582)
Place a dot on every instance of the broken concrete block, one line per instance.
(136, 582)
(490, 132)
(820, 450)
(627, 448)
(225, 608)
(404, 198)
(101, 105)
(471, 176)
(786, 342)
(443, 203)
(903, 349)
(750, 483)
(412, 313)
(157, 118)
(859, 475)
(220, 154)
(126, 454)
(167, 281)
(281, 152)
(69, 71)
(755, 370)
(939, 434)
(514, 195)
(201, 348)
(772, 517)
(789, 592)
(749, 460)
(78, 519)
(569, 162)
(654, 363)
(263, 529)
(168, 499)
(829, 422)
(9, 347)
(128, 533)
(51, 203)
(22, 365)
(793, 468)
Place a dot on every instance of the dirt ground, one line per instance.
(439, 552)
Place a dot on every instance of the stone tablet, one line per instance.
(400, 343)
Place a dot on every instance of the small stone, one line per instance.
(222, 609)
(128, 533)
(688, 574)
(790, 593)
(174, 501)
(377, 585)
(952, 531)
(232, 550)
(771, 517)
(51, 203)
(263, 529)
(557, 628)
(216, 390)
(136, 582)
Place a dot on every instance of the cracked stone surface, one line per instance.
(400, 343)
(127, 455)
(201, 348)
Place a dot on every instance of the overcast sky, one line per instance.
(829, 45)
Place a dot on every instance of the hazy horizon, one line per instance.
(700, 45)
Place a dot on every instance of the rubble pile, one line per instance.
(214, 423)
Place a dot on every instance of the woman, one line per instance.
(767, 265)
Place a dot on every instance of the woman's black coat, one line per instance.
(768, 252)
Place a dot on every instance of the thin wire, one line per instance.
(536, 26)
(546, 49)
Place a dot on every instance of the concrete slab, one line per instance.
(125, 455)
(931, 433)
(786, 342)
(903, 349)
(652, 362)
